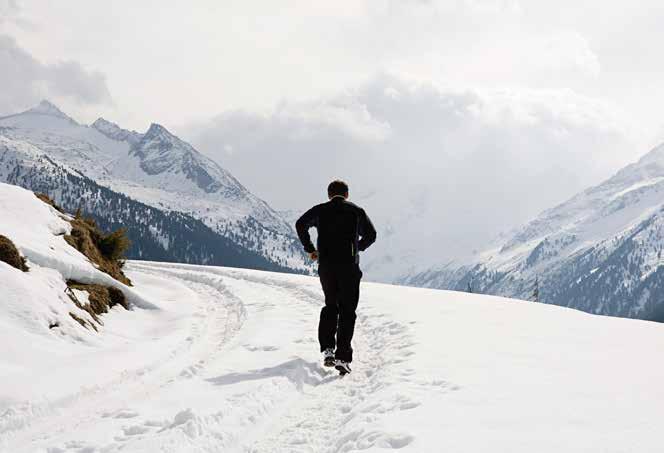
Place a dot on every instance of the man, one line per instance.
(344, 230)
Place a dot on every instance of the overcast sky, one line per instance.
(472, 107)
(176, 61)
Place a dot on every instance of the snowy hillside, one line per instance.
(214, 359)
(600, 252)
(35, 306)
(160, 170)
(155, 234)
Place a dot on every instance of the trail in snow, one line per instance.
(320, 404)
(218, 388)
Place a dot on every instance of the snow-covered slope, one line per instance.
(35, 307)
(229, 362)
(160, 170)
(601, 251)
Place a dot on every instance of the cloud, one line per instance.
(441, 171)
(344, 117)
(9, 10)
(25, 80)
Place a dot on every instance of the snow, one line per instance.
(229, 362)
(38, 231)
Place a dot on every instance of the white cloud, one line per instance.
(25, 80)
(9, 10)
(344, 116)
(455, 168)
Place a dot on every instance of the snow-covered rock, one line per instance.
(49, 109)
(115, 132)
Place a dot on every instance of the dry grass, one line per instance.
(104, 250)
(82, 321)
(86, 238)
(114, 245)
(10, 255)
(48, 200)
(100, 299)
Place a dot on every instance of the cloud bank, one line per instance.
(441, 171)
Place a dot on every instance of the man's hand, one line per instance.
(314, 255)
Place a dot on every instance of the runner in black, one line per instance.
(344, 230)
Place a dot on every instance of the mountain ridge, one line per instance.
(161, 170)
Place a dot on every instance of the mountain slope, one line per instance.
(601, 251)
(155, 234)
(162, 171)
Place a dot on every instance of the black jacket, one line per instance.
(344, 229)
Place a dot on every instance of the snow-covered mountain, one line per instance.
(601, 251)
(155, 234)
(214, 359)
(160, 170)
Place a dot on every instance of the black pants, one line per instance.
(341, 285)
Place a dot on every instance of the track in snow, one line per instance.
(242, 374)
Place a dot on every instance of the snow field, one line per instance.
(229, 362)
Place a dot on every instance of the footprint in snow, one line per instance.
(122, 413)
(255, 348)
(135, 430)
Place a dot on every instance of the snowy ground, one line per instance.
(227, 361)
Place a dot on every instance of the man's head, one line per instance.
(337, 188)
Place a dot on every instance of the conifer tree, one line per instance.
(536, 293)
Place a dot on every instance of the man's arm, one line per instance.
(308, 220)
(367, 232)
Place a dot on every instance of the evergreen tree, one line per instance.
(536, 293)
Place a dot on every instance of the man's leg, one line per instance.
(327, 326)
(349, 295)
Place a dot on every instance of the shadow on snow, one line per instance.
(297, 370)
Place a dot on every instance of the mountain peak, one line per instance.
(102, 123)
(47, 108)
(157, 130)
(115, 132)
(654, 155)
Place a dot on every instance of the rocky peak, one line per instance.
(115, 132)
(158, 131)
(47, 108)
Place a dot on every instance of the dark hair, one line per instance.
(337, 187)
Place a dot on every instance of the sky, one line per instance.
(452, 120)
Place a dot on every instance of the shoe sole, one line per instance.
(342, 370)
